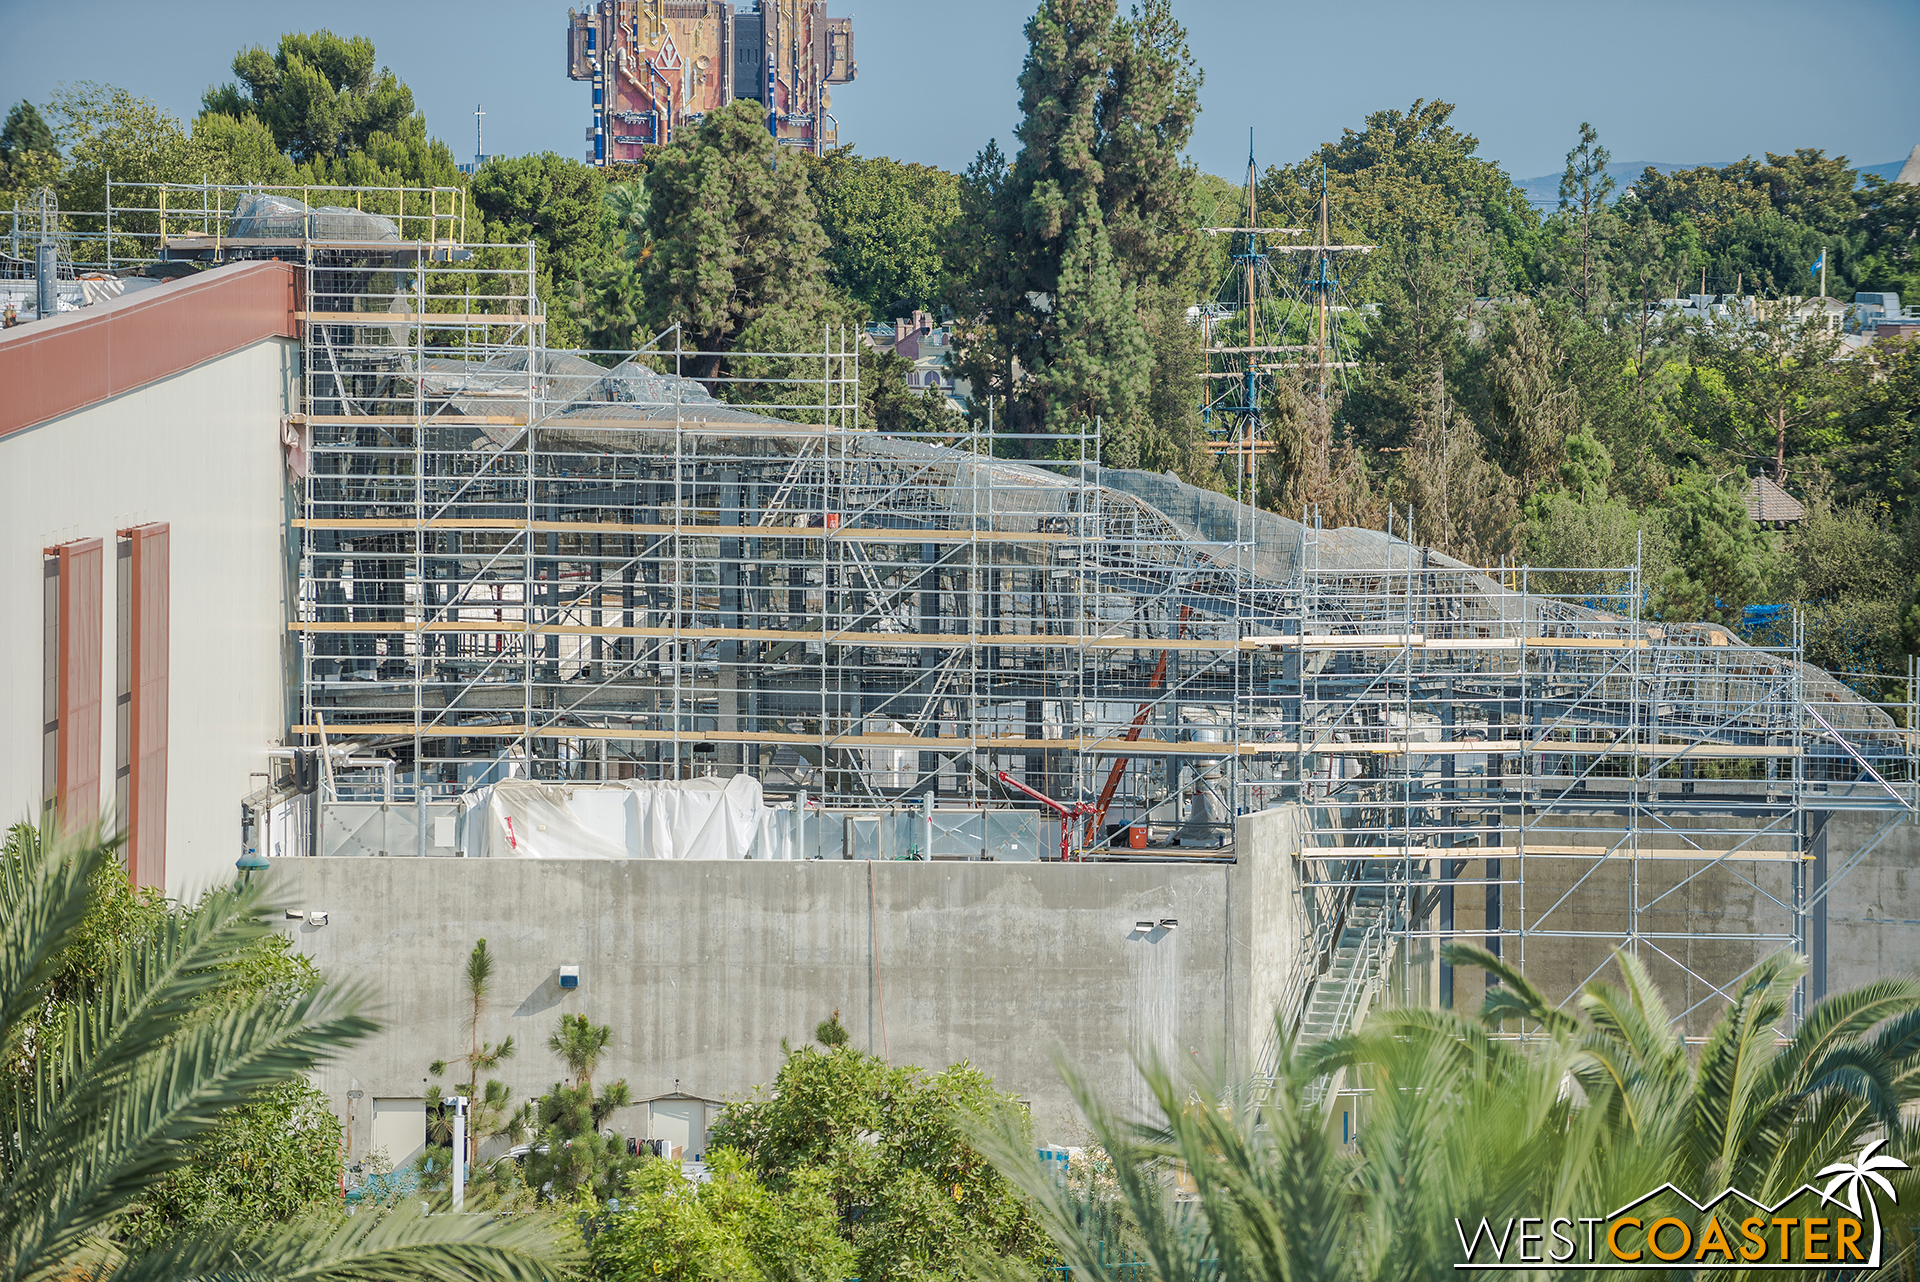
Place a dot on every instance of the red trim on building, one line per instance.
(141, 783)
(68, 362)
(72, 698)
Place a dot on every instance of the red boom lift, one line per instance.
(1078, 810)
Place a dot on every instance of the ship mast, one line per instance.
(1252, 416)
(1234, 413)
(1320, 344)
(1238, 426)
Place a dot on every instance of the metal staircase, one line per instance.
(1355, 970)
(1348, 959)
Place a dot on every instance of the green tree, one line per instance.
(570, 1155)
(1649, 262)
(1062, 251)
(1766, 391)
(491, 1113)
(1406, 178)
(732, 236)
(318, 93)
(1723, 561)
(1888, 256)
(579, 1043)
(1584, 189)
(24, 131)
(727, 1228)
(1854, 581)
(145, 1065)
(887, 1145)
(1316, 467)
(1172, 436)
(1083, 347)
(1585, 538)
(1145, 116)
(986, 290)
(885, 222)
(28, 148)
(1761, 223)
(559, 205)
(243, 150)
(1707, 197)
(607, 302)
(271, 1160)
(1531, 406)
(108, 130)
(1874, 457)
(831, 1033)
(1425, 293)
(1463, 504)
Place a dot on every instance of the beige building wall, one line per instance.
(200, 451)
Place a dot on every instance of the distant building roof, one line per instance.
(1910, 172)
(1767, 502)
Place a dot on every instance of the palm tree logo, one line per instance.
(1856, 1175)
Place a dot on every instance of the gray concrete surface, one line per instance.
(702, 968)
(1873, 912)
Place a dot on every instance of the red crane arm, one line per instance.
(1067, 813)
(1133, 733)
(1041, 797)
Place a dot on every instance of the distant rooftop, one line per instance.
(1767, 503)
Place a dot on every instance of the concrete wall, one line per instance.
(200, 451)
(1703, 926)
(701, 968)
(1271, 920)
(1873, 912)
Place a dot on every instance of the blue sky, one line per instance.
(1663, 80)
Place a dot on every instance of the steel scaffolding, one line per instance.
(649, 564)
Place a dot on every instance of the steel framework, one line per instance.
(580, 566)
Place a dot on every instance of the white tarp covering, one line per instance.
(625, 819)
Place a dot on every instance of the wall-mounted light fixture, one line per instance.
(569, 977)
(1168, 923)
(1143, 927)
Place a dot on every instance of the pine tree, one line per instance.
(1724, 560)
(1091, 216)
(26, 130)
(319, 94)
(733, 236)
(1584, 189)
(1098, 364)
(1146, 117)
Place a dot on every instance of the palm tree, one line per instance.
(580, 1042)
(1597, 1105)
(131, 1074)
(1755, 1109)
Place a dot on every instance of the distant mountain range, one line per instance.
(1544, 192)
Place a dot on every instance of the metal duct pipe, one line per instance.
(46, 264)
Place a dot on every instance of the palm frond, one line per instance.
(1516, 997)
(401, 1245)
(43, 900)
(146, 1069)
